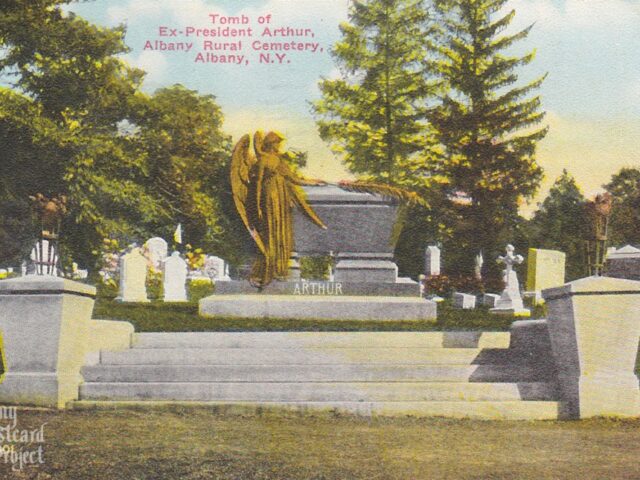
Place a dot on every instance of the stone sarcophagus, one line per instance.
(358, 234)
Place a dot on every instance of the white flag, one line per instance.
(177, 236)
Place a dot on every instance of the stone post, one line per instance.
(45, 326)
(594, 325)
(432, 261)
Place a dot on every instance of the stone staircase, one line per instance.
(458, 374)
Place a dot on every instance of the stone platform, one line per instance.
(316, 307)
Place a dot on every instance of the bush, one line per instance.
(107, 289)
(199, 288)
(444, 286)
(154, 285)
(438, 285)
(315, 268)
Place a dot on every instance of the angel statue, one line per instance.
(265, 190)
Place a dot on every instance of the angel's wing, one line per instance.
(242, 162)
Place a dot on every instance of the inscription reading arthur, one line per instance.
(317, 288)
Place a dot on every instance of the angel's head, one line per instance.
(272, 142)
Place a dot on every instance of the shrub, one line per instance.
(315, 268)
(438, 285)
(444, 286)
(199, 288)
(154, 284)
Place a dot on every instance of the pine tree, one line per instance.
(374, 116)
(486, 125)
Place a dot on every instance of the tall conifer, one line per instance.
(374, 115)
(487, 124)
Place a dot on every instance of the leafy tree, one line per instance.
(70, 91)
(187, 163)
(560, 224)
(374, 116)
(75, 122)
(624, 226)
(486, 127)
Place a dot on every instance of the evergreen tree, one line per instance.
(624, 226)
(374, 116)
(560, 224)
(486, 126)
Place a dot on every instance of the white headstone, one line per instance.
(510, 301)
(464, 301)
(133, 277)
(175, 278)
(158, 250)
(216, 269)
(432, 261)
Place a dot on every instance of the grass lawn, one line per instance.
(161, 317)
(198, 443)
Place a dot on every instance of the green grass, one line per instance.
(199, 443)
(160, 317)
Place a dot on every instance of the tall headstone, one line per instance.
(510, 301)
(175, 278)
(157, 250)
(432, 261)
(133, 277)
(545, 269)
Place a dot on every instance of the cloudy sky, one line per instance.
(588, 47)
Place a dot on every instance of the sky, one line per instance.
(590, 50)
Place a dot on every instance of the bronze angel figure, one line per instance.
(265, 191)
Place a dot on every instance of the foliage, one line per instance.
(624, 225)
(315, 268)
(154, 284)
(374, 116)
(199, 288)
(445, 286)
(487, 128)
(560, 223)
(195, 258)
(75, 122)
(17, 235)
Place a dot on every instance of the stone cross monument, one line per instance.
(510, 301)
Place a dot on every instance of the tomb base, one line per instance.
(310, 307)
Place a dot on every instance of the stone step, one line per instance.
(319, 392)
(310, 373)
(484, 410)
(322, 339)
(301, 356)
